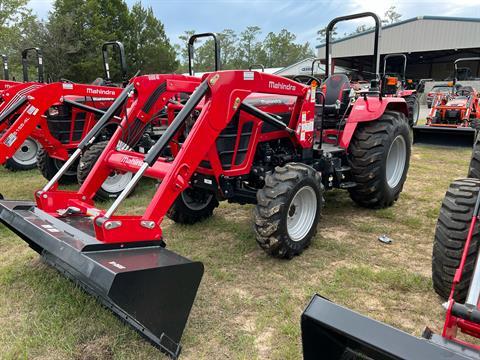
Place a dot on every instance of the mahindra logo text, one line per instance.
(281, 86)
(100, 92)
(131, 161)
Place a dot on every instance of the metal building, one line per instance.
(431, 44)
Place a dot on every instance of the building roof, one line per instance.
(422, 33)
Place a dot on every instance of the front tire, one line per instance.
(288, 210)
(113, 186)
(25, 158)
(413, 106)
(450, 236)
(49, 166)
(192, 206)
(379, 156)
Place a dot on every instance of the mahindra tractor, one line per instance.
(453, 115)
(239, 136)
(402, 88)
(10, 91)
(39, 125)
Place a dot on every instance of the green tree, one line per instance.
(322, 34)
(148, 47)
(391, 16)
(281, 50)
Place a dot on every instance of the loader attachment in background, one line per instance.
(330, 331)
(443, 135)
(147, 286)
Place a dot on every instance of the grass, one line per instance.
(248, 305)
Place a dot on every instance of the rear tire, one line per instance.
(49, 166)
(413, 106)
(25, 158)
(288, 210)
(474, 167)
(379, 155)
(113, 185)
(192, 206)
(450, 236)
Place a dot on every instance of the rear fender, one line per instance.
(405, 93)
(371, 109)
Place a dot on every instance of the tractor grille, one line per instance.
(60, 125)
(227, 141)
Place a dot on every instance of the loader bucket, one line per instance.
(147, 286)
(444, 136)
(330, 331)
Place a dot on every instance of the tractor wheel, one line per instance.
(25, 158)
(113, 185)
(192, 206)
(413, 106)
(474, 167)
(288, 210)
(49, 166)
(379, 155)
(450, 236)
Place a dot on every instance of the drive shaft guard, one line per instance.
(330, 331)
(147, 286)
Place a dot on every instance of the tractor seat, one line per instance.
(335, 87)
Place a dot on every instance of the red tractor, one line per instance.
(401, 88)
(38, 126)
(239, 136)
(453, 114)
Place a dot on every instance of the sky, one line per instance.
(301, 17)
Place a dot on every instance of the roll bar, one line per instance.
(38, 52)
(191, 50)
(5, 66)
(123, 61)
(313, 64)
(404, 58)
(376, 55)
(455, 65)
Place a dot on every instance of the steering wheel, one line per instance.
(306, 79)
(463, 92)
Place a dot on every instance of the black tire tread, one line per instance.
(411, 100)
(182, 215)
(450, 235)
(48, 169)
(474, 166)
(271, 199)
(366, 152)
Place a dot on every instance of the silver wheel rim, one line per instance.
(27, 153)
(396, 158)
(116, 182)
(193, 204)
(301, 213)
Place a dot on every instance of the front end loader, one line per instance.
(454, 117)
(237, 136)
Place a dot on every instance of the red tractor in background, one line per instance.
(454, 114)
(401, 88)
(237, 136)
(38, 125)
(10, 92)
